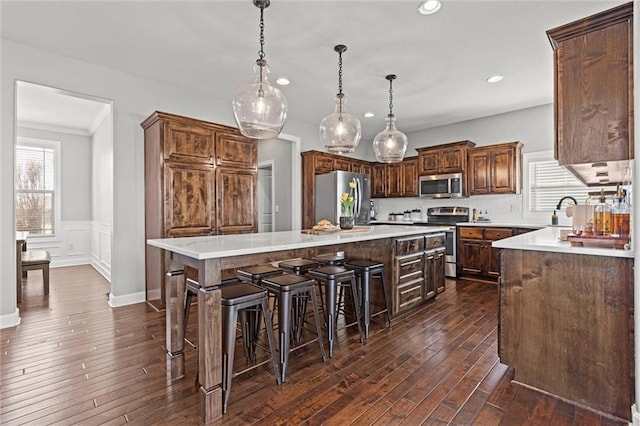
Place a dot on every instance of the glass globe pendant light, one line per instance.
(340, 131)
(260, 108)
(390, 145)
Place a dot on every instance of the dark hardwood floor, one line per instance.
(74, 360)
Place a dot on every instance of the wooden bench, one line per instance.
(37, 259)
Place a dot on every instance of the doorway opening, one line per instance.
(73, 198)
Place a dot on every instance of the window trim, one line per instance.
(56, 146)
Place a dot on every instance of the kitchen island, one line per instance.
(566, 320)
(206, 257)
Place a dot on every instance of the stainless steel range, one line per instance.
(448, 216)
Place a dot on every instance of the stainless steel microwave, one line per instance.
(442, 186)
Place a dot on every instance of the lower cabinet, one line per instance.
(476, 257)
(418, 270)
(434, 272)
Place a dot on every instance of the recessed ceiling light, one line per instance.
(368, 114)
(494, 79)
(429, 7)
(283, 81)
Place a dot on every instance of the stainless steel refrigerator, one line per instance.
(329, 188)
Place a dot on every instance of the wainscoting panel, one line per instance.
(101, 248)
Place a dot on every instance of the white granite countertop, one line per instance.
(548, 239)
(218, 246)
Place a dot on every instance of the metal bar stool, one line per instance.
(286, 287)
(365, 271)
(255, 274)
(190, 290)
(238, 298)
(333, 277)
(298, 267)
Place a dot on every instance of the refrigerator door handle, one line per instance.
(358, 196)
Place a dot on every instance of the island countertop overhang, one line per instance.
(219, 246)
(548, 240)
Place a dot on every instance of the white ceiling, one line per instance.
(441, 61)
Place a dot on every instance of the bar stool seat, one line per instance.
(255, 274)
(333, 277)
(330, 259)
(298, 266)
(286, 287)
(365, 271)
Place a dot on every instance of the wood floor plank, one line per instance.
(75, 360)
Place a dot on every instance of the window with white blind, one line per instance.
(546, 182)
(37, 186)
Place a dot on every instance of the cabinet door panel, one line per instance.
(189, 201)
(472, 257)
(324, 163)
(378, 180)
(394, 180)
(342, 164)
(493, 268)
(429, 162)
(183, 142)
(410, 178)
(593, 91)
(479, 178)
(451, 160)
(236, 151)
(236, 201)
(502, 172)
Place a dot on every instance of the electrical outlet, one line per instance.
(277, 208)
(70, 247)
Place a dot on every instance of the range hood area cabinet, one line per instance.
(200, 179)
(446, 158)
(593, 96)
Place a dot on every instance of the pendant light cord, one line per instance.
(340, 94)
(261, 52)
(390, 96)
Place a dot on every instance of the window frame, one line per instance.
(545, 216)
(56, 146)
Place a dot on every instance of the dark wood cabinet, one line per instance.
(200, 179)
(495, 169)
(446, 158)
(434, 272)
(317, 163)
(408, 273)
(235, 150)
(378, 181)
(236, 201)
(476, 257)
(593, 97)
(190, 208)
(395, 180)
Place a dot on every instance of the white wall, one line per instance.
(134, 99)
(280, 152)
(102, 199)
(533, 127)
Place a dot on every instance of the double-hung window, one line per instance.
(37, 186)
(545, 183)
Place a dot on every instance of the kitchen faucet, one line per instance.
(564, 198)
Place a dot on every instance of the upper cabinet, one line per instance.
(395, 180)
(495, 169)
(593, 67)
(235, 150)
(185, 142)
(447, 158)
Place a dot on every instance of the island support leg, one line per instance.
(210, 342)
(175, 285)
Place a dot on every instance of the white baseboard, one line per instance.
(105, 272)
(127, 299)
(60, 263)
(10, 320)
(635, 415)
